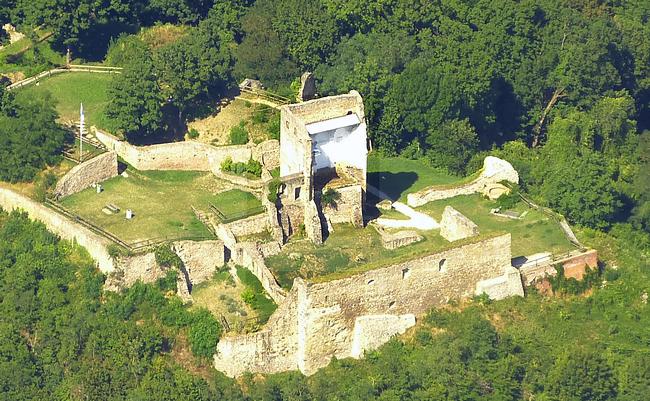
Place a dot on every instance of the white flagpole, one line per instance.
(81, 130)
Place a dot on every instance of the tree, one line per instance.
(581, 376)
(452, 145)
(195, 68)
(135, 96)
(30, 138)
(204, 333)
(261, 55)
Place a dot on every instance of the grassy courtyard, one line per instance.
(398, 176)
(71, 89)
(350, 249)
(534, 233)
(161, 201)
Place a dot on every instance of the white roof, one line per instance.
(333, 123)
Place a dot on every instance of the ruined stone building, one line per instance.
(323, 146)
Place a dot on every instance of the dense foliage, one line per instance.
(60, 338)
(30, 138)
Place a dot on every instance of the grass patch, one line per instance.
(347, 250)
(22, 56)
(161, 201)
(71, 89)
(255, 295)
(534, 233)
(398, 176)
(237, 204)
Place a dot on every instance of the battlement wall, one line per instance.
(189, 155)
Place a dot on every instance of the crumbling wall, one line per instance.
(347, 208)
(250, 225)
(249, 255)
(313, 226)
(200, 258)
(494, 171)
(327, 107)
(186, 155)
(82, 176)
(327, 313)
(95, 244)
(271, 350)
(455, 226)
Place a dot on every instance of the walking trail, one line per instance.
(415, 219)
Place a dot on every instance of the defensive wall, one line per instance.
(493, 173)
(95, 244)
(344, 317)
(99, 168)
(189, 155)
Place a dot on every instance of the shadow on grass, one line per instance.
(392, 184)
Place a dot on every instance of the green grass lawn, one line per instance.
(237, 203)
(398, 176)
(161, 201)
(19, 56)
(71, 89)
(534, 233)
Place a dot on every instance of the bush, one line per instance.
(165, 257)
(260, 115)
(193, 134)
(252, 167)
(273, 129)
(204, 333)
(330, 197)
(509, 200)
(239, 134)
(115, 251)
(273, 187)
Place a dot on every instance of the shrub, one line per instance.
(165, 257)
(273, 187)
(260, 115)
(193, 134)
(226, 164)
(273, 129)
(248, 296)
(115, 251)
(239, 134)
(509, 200)
(204, 333)
(330, 197)
(254, 168)
(168, 283)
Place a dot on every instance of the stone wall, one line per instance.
(186, 155)
(455, 226)
(82, 176)
(250, 225)
(494, 171)
(318, 321)
(249, 255)
(95, 244)
(200, 258)
(348, 207)
(575, 265)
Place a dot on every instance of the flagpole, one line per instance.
(81, 130)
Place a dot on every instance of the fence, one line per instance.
(132, 247)
(266, 95)
(229, 218)
(63, 69)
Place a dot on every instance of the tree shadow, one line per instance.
(392, 184)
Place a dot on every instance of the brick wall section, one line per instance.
(575, 266)
(201, 258)
(318, 321)
(82, 176)
(96, 245)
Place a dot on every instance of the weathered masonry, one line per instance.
(322, 146)
(345, 317)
